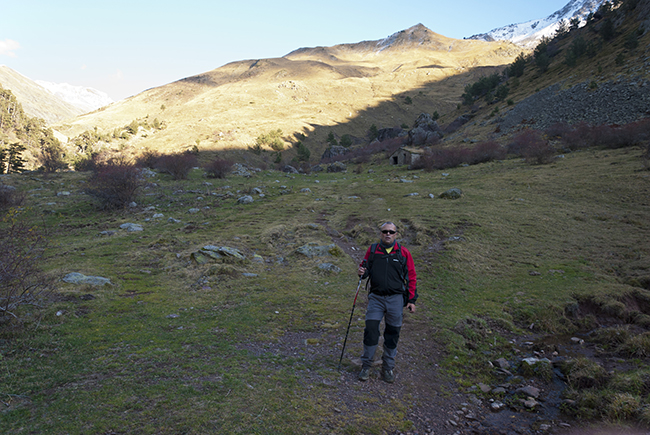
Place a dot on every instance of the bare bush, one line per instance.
(530, 145)
(178, 165)
(486, 152)
(218, 168)
(22, 282)
(115, 184)
(148, 159)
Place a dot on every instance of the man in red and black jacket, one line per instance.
(393, 286)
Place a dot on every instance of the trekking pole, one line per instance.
(350, 322)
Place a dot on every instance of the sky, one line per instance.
(125, 47)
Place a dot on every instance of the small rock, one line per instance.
(497, 406)
(172, 316)
(194, 210)
(246, 199)
(131, 227)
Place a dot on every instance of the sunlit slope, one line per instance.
(356, 84)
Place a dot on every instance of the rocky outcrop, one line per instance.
(425, 130)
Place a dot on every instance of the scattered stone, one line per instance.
(337, 167)
(313, 249)
(305, 190)
(497, 406)
(334, 151)
(63, 193)
(194, 210)
(329, 267)
(576, 340)
(241, 170)
(171, 220)
(249, 275)
(403, 180)
(257, 258)
(107, 233)
(529, 391)
(432, 196)
(503, 363)
(256, 191)
(246, 199)
(172, 316)
(158, 216)
(313, 226)
(411, 194)
(131, 227)
(79, 278)
(290, 169)
(453, 193)
(484, 388)
(498, 391)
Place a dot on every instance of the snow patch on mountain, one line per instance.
(530, 32)
(86, 99)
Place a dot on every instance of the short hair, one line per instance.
(387, 223)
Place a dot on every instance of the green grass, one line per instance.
(522, 244)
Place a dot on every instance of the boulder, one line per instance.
(329, 267)
(337, 167)
(246, 199)
(79, 278)
(390, 133)
(313, 249)
(425, 130)
(290, 169)
(131, 227)
(241, 170)
(335, 151)
(453, 193)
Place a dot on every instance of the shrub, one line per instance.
(302, 152)
(272, 139)
(346, 140)
(115, 184)
(178, 165)
(218, 168)
(21, 280)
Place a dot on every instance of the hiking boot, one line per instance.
(388, 376)
(364, 374)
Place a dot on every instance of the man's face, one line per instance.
(388, 233)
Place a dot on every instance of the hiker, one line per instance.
(392, 282)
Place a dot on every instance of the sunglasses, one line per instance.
(388, 231)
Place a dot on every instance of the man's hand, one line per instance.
(361, 270)
(411, 308)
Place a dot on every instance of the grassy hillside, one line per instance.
(252, 347)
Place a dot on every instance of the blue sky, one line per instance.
(124, 47)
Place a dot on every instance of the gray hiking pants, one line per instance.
(389, 308)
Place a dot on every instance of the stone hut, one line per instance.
(406, 156)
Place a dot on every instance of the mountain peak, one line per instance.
(530, 32)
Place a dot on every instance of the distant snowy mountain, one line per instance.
(86, 99)
(530, 32)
